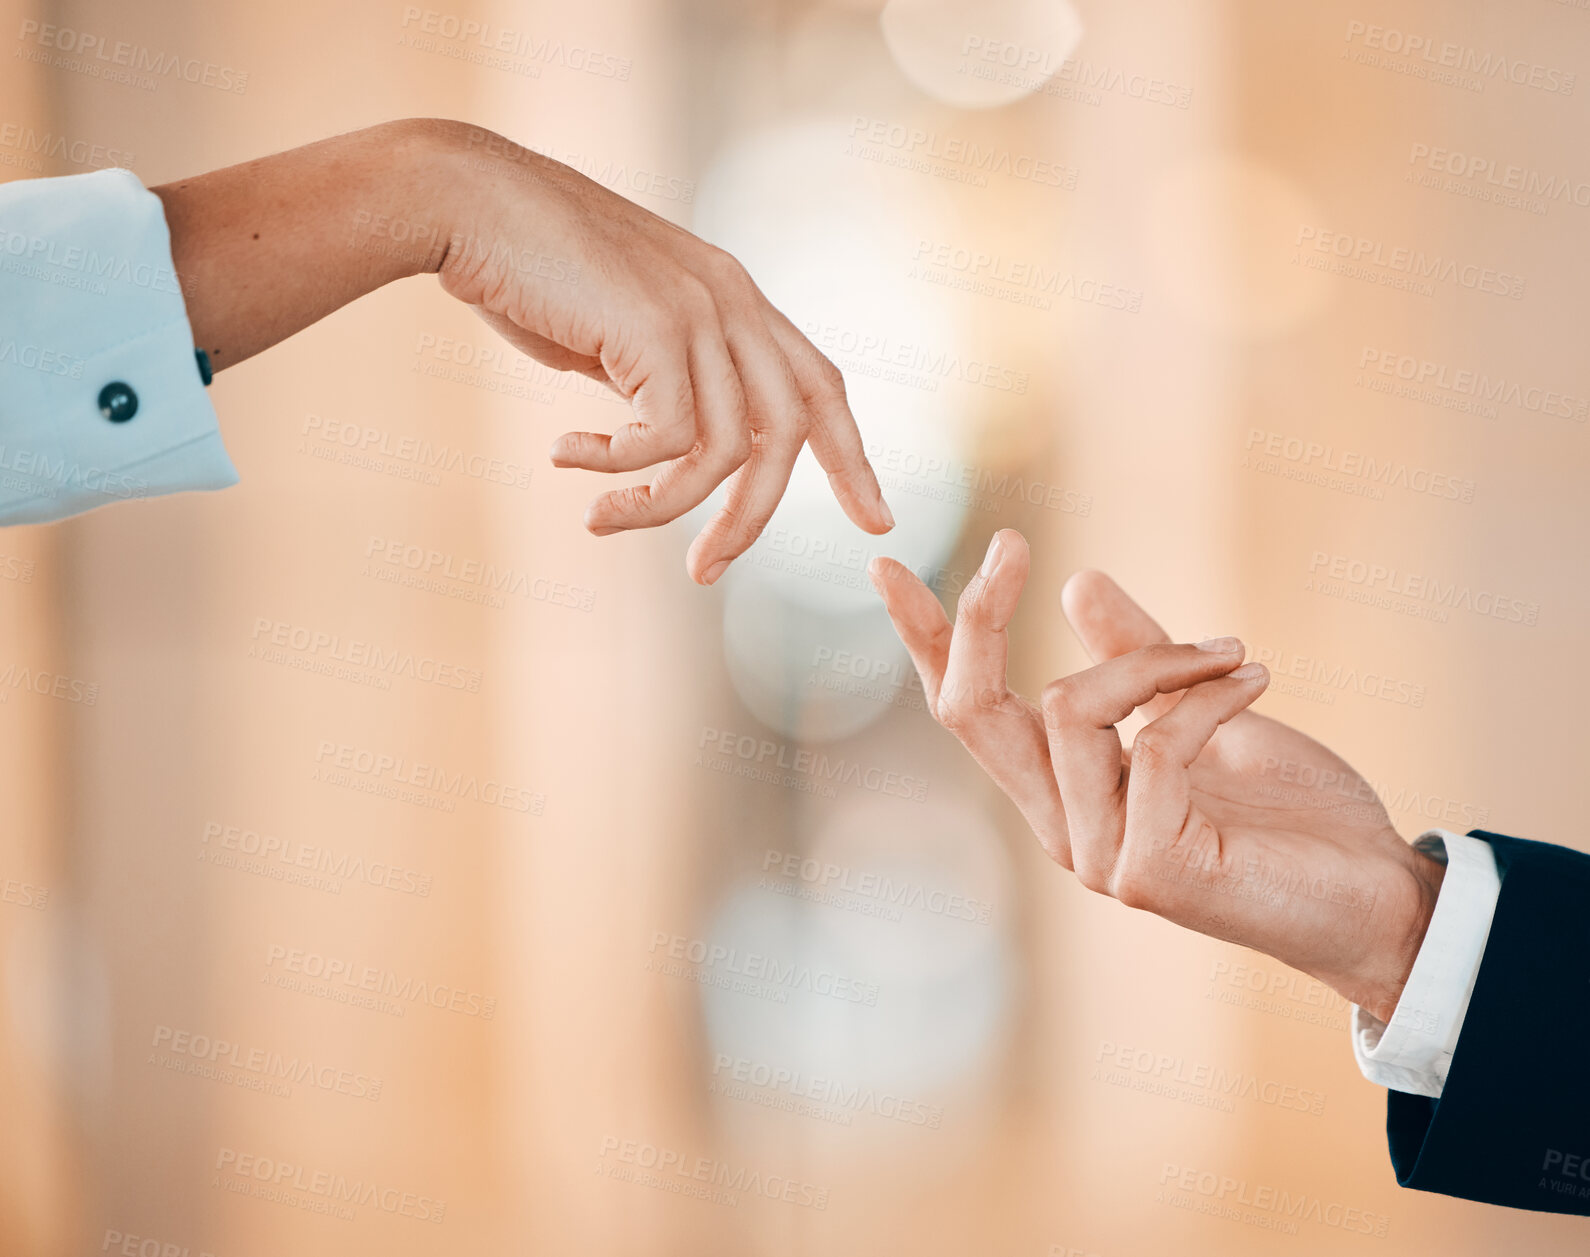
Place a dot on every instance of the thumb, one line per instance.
(1105, 619)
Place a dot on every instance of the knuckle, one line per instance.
(1150, 748)
(628, 503)
(726, 271)
(952, 710)
(1059, 703)
(971, 604)
(1133, 888)
(830, 379)
(1090, 872)
(1056, 848)
(948, 712)
(657, 322)
(693, 298)
(960, 708)
(737, 447)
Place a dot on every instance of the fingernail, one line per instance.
(1248, 672)
(991, 559)
(716, 570)
(883, 509)
(1220, 645)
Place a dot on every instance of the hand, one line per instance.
(722, 384)
(1203, 820)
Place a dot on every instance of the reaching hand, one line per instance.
(723, 385)
(1216, 818)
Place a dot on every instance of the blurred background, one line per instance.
(353, 906)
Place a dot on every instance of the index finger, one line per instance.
(918, 619)
(834, 437)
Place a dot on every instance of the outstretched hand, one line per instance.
(1205, 819)
(722, 385)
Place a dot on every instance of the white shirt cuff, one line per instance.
(90, 308)
(1413, 1051)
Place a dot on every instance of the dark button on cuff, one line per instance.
(117, 402)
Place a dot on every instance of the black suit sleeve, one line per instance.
(1512, 1126)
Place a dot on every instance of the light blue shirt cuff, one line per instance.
(89, 298)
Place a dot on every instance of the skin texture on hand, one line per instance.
(723, 387)
(1202, 820)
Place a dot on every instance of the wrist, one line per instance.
(1410, 905)
(423, 167)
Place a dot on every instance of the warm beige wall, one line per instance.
(40, 1172)
(603, 711)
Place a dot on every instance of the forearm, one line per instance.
(266, 248)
